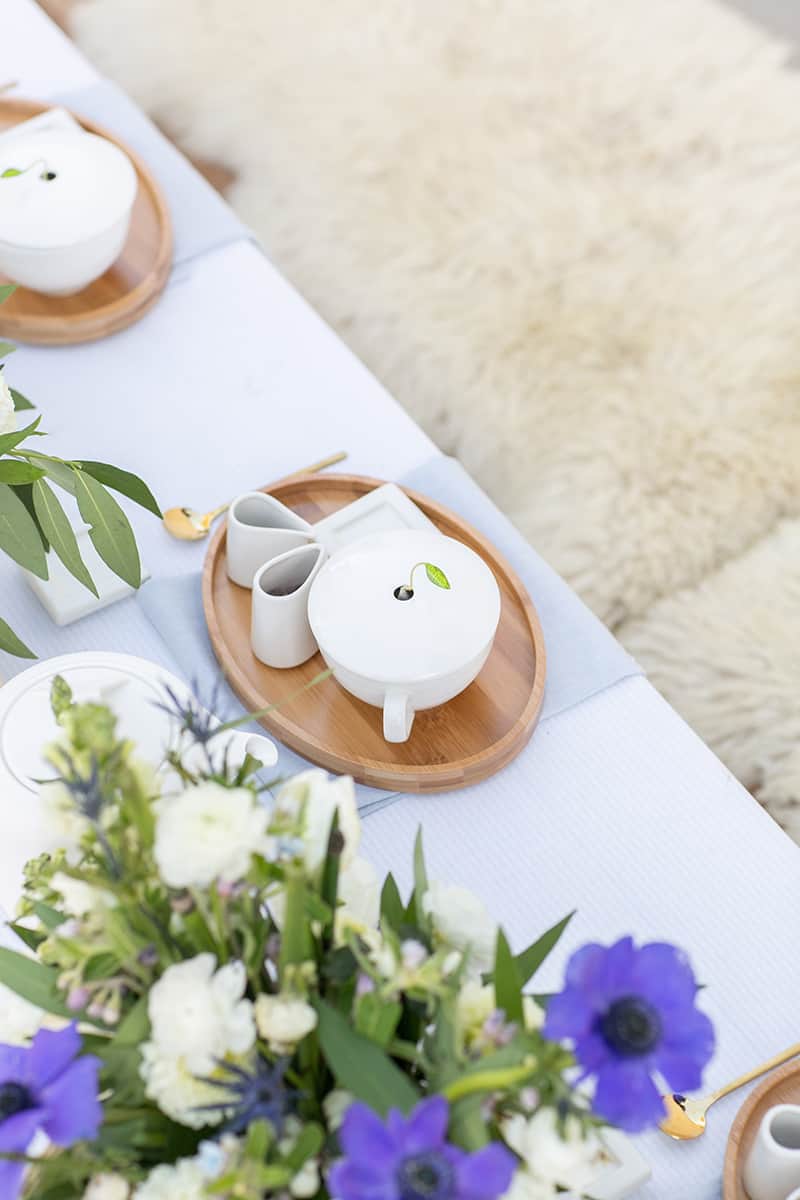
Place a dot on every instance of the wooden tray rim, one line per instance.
(116, 314)
(502, 751)
(732, 1166)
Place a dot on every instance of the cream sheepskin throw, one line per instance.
(567, 236)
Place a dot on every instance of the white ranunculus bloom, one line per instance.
(19, 1020)
(206, 833)
(550, 1160)
(284, 1020)
(64, 825)
(8, 417)
(197, 1017)
(81, 898)
(317, 797)
(186, 1180)
(462, 921)
(107, 1187)
(359, 896)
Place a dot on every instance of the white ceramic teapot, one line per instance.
(65, 209)
(397, 651)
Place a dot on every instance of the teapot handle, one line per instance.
(398, 716)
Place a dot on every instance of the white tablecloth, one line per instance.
(615, 807)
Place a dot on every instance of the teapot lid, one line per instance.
(71, 187)
(362, 625)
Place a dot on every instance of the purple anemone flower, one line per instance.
(408, 1158)
(45, 1087)
(630, 1013)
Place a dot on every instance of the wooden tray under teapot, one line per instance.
(458, 744)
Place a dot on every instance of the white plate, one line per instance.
(132, 687)
(385, 508)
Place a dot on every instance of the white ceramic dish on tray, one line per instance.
(404, 654)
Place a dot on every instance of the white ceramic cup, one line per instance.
(772, 1168)
(259, 529)
(280, 633)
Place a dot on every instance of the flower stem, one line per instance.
(489, 1081)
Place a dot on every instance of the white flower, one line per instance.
(197, 1018)
(185, 1181)
(208, 832)
(310, 801)
(335, 1105)
(359, 896)
(8, 417)
(306, 1181)
(19, 1020)
(79, 898)
(461, 921)
(474, 1005)
(284, 1020)
(107, 1187)
(550, 1160)
(64, 825)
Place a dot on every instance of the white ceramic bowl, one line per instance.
(58, 235)
(404, 655)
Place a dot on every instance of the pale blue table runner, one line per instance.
(582, 656)
(201, 219)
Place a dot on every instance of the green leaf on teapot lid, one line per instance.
(437, 576)
(10, 172)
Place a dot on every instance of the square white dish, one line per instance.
(384, 509)
(55, 120)
(65, 599)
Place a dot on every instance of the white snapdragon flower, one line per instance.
(208, 832)
(80, 898)
(335, 1105)
(19, 1020)
(306, 1182)
(8, 417)
(550, 1161)
(186, 1180)
(359, 897)
(314, 797)
(107, 1187)
(462, 921)
(197, 1018)
(284, 1020)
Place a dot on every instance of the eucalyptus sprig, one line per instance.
(33, 521)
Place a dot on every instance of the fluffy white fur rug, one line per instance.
(567, 236)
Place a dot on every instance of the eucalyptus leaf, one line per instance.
(7, 290)
(15, 471)
(109, 529)
(20, 402)
(360, 1066)
(11, 643)
(19, 536)
(437, 575)
(8, 441)
(33, 981)
(59, 533)
(122, 481)
(6, 348)
(421, 918)
(25, 493)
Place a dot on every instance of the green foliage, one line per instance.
(32, 520)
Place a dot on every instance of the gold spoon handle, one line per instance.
(784, 1055)
(330, 461)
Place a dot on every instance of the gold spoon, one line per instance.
(686, 1118)
(188, 525)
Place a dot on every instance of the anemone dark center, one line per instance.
(425, 1177)
(14, 1098)
(631, 1027)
